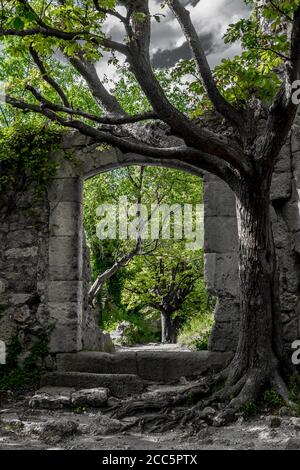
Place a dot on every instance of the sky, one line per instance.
(211, 19)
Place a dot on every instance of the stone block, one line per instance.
(291, 214)
(65, 190)
(120, 385)
(64, 291)
(65, 219)
(295, 138)
(170, 366)
(220, 235)
(17, 253)
(290, 330)
(283, 163)
(98, 362)
(65, 313)
(65, 338)
(219, 200)
(281, 187)
(221, 273)
(65, 258)
(94, 397)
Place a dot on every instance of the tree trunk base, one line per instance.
(186, 408)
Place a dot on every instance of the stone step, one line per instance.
(158, 366)
(120, 385)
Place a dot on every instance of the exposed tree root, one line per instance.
(187, 408)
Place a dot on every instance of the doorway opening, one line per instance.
(144, 229)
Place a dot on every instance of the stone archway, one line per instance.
(75, 327)
(43, 259)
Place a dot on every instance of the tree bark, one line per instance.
(260, 349)
(169, 328)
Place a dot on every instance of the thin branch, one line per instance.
(277, 8)
(118, 120)
(180, 152)
(47, 31)
(88, 71)
(47, 78)
(123, 261)
(219, 102)
(279, 54)
(283, 110)
(180, 125)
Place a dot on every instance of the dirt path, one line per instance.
(24, 428)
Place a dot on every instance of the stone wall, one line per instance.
(44, 260)
(24, 239)
(221, 247)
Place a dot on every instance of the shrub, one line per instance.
(195, 332)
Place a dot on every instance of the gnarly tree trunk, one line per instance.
(169, 328)
(259, 354)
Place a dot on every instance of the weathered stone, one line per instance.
(66, 190)
(221, 273)
(281, 186)
(94, 397)
(291, 215)
(103, 426)
(99, 363)
(293, 444)
(49, 401)
(65, 219)
(120, 385)
(219, 200)
(220, 241)
(56, 431)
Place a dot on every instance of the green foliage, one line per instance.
(25, 150)
(140, 326)
(268, 402)
(196, 331)
(249, 410)
(271, 399)
(13, 376)
(128, 294)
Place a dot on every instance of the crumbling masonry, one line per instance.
(44, 260)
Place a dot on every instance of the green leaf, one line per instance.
(17, 23)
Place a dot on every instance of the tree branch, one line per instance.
(220, 103)
(283, 111)
(112, 270)
(193, 135)
(118, 120)
(47, 78)
(277, 8)
(88, 71)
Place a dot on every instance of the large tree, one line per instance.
(242, 151)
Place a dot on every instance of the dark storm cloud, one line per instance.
(169, 57)
(210, 19)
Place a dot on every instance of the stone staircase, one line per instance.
(129, 373)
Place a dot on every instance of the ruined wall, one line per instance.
(221, 247)
(44, 261)
(23, 265)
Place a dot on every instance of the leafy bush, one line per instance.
(272, 399)
(139, 331)
(249, 410)
(16, 377)
(196, 331)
